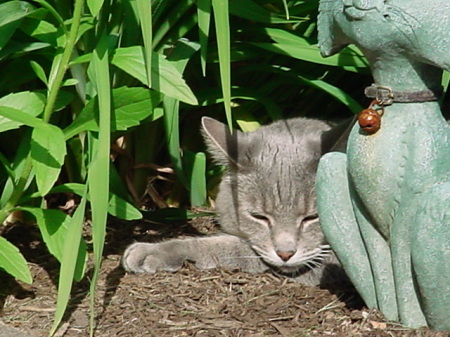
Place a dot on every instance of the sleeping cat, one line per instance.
(266, 206)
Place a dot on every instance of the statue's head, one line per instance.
(332, 13)
(414, 29)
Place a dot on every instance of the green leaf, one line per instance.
(13, 262)
(223, 42)
(145, 20)
(167, 79)
(25, 102)
(14, 47)
(122, 209)
(204, 20)
(287, 43)
(336, 92)
(132, 105)
(99, 168)
(95, 6)
(72, 259)
(54, 225)
(181, 53)
(39, 71)
(48, 149)
(249, 10)
(11, 14)
(171, 123)
(195, 169)
(40, 29)
(117, 206)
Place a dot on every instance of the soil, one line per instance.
(187, 303)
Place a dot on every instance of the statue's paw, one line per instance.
(150, 258)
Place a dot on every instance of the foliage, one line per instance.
(97, 99)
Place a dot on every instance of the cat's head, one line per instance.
(267, 192)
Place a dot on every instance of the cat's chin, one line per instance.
(292, 271)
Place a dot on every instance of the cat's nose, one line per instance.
(285, 256)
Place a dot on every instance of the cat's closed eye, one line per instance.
(260, 217)
(309, 219)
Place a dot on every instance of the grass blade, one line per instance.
(223, 42)
(145, 18)
(70, 260)
(204, 20)
(98, 179)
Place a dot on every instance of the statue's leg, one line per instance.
(409, 307)
(431, 255)
(339, 225)
(379, 254)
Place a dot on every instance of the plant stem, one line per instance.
(63, 65)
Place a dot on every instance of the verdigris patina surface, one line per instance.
(385, 205)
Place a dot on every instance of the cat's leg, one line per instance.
(430, 249)
(338, 222)
(206, 252)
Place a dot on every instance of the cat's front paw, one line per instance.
(150, 258)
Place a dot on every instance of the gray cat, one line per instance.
(266, 206)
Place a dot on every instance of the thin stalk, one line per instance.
(65, 59)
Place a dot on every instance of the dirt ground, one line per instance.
(187, 303)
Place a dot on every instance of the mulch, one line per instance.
(187, 303)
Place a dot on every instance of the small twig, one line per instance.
(36, 309)
(329, 306)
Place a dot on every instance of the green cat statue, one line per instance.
(385, 205)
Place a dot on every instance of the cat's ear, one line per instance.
(336, 138)
(220, 143)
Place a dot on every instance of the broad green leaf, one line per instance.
(53, 225)
(117, 206)
(48, 149)
(27, 102)
(132, 105)
(11, 14)
(122, 209)
(52, 10)
(167, 79)
(13, 262)
(95, 6)
(181, 53)
(40, 29)
(222, 24)
(14, 47)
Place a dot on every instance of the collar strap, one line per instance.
(387, 96)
